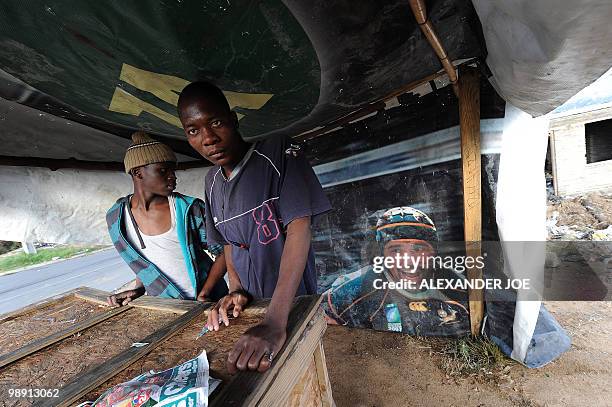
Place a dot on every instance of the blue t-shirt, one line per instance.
(270, 187)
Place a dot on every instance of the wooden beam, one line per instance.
(419, 9)
(163, 304)
(92, 295)
(55, 164)
(341, 121)
(51, 339)
(469, 120)
(92, 378)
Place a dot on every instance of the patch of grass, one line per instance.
(471, 355)
(23, 260)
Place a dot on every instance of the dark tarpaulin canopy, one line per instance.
(84, 75)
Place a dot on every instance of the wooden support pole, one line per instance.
(469, 121)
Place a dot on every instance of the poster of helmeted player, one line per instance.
(394, 181)
(365, 298)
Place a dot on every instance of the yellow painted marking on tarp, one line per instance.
(124, 102)
(165, 87)
(247, 100)
(168, 88)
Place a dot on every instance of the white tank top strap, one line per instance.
(172, 205)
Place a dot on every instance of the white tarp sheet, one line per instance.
(68, 206)
(521, 212)
(543, 52)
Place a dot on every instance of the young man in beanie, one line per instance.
(261, 199)
(161, 234)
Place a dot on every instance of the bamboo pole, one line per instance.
(420, 14)
(469, 120)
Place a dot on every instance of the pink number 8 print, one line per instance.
(267, 226)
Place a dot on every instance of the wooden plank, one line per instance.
(469, 121)
(182, 306)
(145, 301)
(247, 387)
(40, 304)
(51, 339)
(327, 399)
(279, 390)
(94, 377)
(306, 391)
(93, 295)
(163, 304)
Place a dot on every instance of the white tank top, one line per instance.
(163, 250)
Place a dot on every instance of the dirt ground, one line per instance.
(370, 368)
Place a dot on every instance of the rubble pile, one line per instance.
(586, 217)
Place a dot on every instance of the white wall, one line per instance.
(572, 174)
(68, 206)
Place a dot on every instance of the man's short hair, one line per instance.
(202, 90)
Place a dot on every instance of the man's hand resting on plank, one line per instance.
(234, 302)
(257, 347)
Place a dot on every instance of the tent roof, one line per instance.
(76, 79)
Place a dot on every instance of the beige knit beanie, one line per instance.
(144, 151)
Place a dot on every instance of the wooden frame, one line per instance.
(92, 295)
(82, 384)
(298, 371)
(49, 340)
(54, 338)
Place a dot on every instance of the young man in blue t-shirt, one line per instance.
(261, 199)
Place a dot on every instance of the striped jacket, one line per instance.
(191, 229)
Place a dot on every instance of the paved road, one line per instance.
(103, 270)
